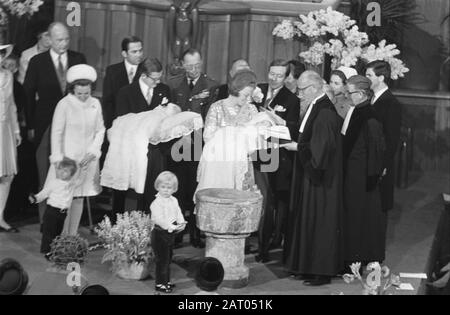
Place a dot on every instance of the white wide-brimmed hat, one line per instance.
(8, 48)
(348, 72)
(81, 72)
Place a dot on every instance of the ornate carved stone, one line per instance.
(228, 217)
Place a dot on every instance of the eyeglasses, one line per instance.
(154, 79)
(277, 75)
(192, 67)
(302, 90)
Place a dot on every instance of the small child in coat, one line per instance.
(59, 194)
(168, 220)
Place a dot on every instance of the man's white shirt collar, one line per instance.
(271, 94)
(305, 120)
(347, 120)
(55, 58)
(193, 81)
(144, 88)
(379, 94)
(129, 66)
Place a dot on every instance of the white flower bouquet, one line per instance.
(18, 8)
(127, 242)
(333, 33)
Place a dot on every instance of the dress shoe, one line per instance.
(317, 281)
(303, 277)
(10, 230)
(262, 258)
(163, 288)
(171, 285)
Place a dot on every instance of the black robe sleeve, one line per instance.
(316, 155)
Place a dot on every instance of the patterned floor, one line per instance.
(411, 229)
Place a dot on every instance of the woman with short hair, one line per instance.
(77, 133)
(9, 137)
(225, 162)
(337, 89)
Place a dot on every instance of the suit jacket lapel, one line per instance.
(279, 98)
(264, 90)
(307, 133)
(360, 116)
(184, 88)
(381, 100)
(157, 97)
(70, 61)
(122, 75)
(199, 86)
(51, 66)
(139, 98)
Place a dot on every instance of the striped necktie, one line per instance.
(61, 74)
(131, 75)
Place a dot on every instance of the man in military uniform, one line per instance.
(192, 91)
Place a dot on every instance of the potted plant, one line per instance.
(128, 244)
(66, 249)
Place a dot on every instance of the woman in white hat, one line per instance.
(77, 133)
(9, 137)
(338, 89)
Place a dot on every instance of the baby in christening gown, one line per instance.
(126, 161)
(225, 160)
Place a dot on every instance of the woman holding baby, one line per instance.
(231, 135)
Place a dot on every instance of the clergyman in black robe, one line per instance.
(363, 150)
(314, 247)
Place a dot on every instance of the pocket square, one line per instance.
(280, 109)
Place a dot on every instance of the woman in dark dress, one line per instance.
(363, 149)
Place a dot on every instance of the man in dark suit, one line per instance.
(192, 91)
(221, 92)
(281, 101)
(389, 113)
(45, 86)
(143, 95)
(121, 74)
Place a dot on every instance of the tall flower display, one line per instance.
(329, 32)
(18, 8)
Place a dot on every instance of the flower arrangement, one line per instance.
(333, 33)
(257, 95)
(18, 8)
(373, 284)
(127, 242)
